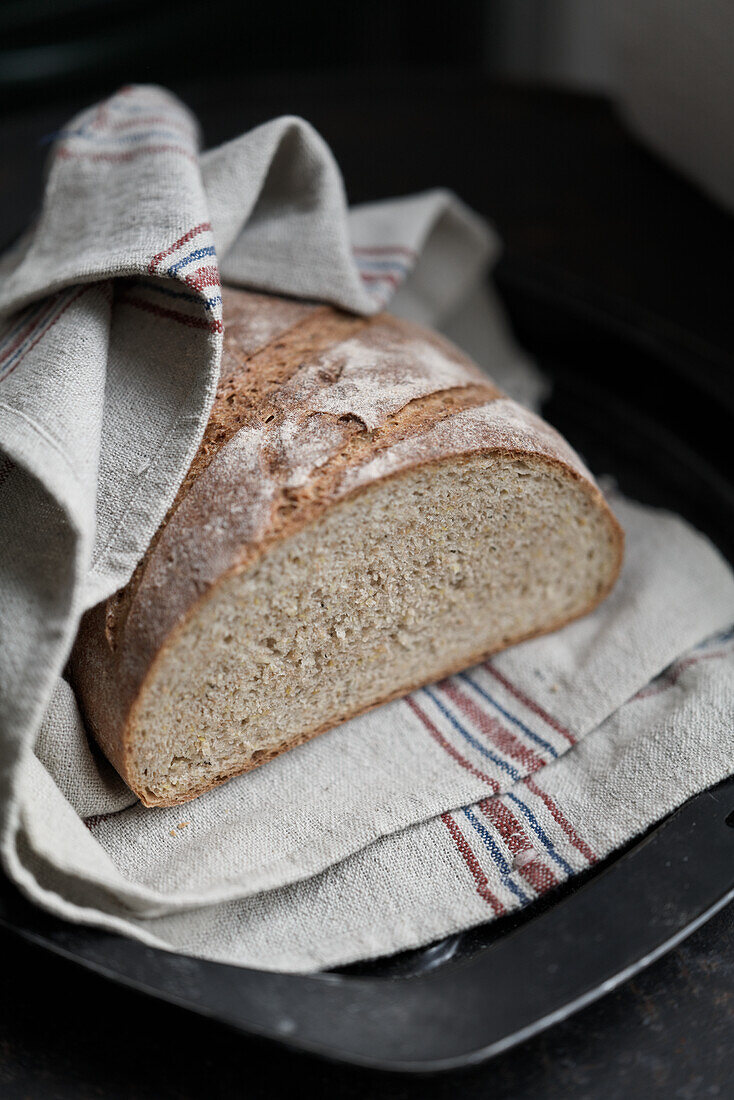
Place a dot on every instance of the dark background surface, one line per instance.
(592, 223)
(66, 1034)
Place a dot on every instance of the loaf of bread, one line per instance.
(366, 513)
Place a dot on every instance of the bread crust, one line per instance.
(328, 407)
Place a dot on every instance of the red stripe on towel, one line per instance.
(448, 748)
(203, 227)
(674, 673)
(561, 819)
(25, 332)
(535, 872)
(505, 741)
(172, 314)
(530, 704)
(202, 277)
(50, 325)
(130, 154)
(472, 863)
(383, 277)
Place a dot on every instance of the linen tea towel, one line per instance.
(138, 342)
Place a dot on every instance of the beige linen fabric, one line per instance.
(403, 824)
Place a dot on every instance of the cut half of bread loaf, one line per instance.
(366, 513)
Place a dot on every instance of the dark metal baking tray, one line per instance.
(631, 399)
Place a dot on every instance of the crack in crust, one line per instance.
(361, 442)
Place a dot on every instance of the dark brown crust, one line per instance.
(113, 661)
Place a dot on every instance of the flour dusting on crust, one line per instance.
(384, 367)
(498, 425)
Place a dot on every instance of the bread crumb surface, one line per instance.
(385, 590)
